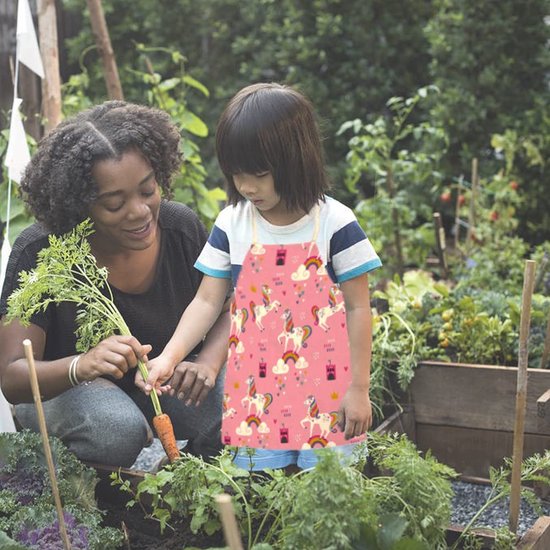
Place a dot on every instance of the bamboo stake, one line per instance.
(103, 41)
(546, 350)
(440, 243)
(230, 528)
(395, 222)
(521, 393)
(51, 83)
(27, 344)
(473, 195)
(457, 218)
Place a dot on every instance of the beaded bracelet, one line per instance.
(73, 379)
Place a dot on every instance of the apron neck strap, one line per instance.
(314, 212)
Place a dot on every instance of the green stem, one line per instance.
(241, 494)
(109, 310)
(468, 527)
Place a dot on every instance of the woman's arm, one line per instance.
(113, 356)
(355, 409)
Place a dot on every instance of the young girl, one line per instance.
(299, 354)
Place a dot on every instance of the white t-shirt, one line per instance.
(343, 245)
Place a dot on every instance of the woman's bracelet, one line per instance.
(73, 378)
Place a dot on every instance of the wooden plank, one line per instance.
(401, 422)
(472, 451)
(476, 396)
(538, 537)
(483, 535)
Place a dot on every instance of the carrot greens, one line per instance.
(67, 271)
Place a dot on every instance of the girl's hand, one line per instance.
(160, 370)
(192, 382)
(113, 357)
(355, 414)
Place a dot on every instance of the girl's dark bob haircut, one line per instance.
(272, 127)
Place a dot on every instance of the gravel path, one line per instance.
(470, 497)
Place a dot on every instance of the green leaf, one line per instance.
(190, 81)
(192, 123)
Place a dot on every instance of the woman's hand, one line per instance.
(113, 357)
(355, 414)
(191, 382)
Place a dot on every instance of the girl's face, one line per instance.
(259, 189)
(126, 211)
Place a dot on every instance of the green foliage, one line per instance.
(22, 462)
(329, 508)
(172, 95)
(332, 506)
(478, 50)
(321, 46)
(400, 159)
(419, 487)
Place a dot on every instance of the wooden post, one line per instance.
(521, 393)
(441, 244)
(395, 221)
(27, 344)
(457, 217)
(51, 83)
(230, 528)
(546, 350)
(103, 42)
(473, 195)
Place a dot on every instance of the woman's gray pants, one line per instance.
(101, 423)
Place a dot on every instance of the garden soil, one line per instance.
(142, 533)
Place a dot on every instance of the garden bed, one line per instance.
(464, 415)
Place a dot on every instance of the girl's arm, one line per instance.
(355, 409)
(194, 324)
(192, 381)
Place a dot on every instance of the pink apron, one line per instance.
(288, 363)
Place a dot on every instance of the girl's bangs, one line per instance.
(242, 152)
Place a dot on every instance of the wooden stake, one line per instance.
(103, 41)
(457, 217)
(546, 350)
(441, 244)
(27, 344)
(395, 222)
(473, 195)
(521, 393)
(230, 528)
(51, 83)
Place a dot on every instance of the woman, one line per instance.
(113, 163)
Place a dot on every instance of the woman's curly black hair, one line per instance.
(57, 184)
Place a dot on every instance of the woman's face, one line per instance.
(126, 211)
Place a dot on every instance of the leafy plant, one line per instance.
(401, 159)
(334, 505)
(28, 515)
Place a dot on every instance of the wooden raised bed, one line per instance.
(465, 413)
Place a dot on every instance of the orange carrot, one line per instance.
(165, 431)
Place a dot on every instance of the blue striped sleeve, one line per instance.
(345, 237)
(218, 239)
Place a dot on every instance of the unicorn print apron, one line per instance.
(288, 363)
